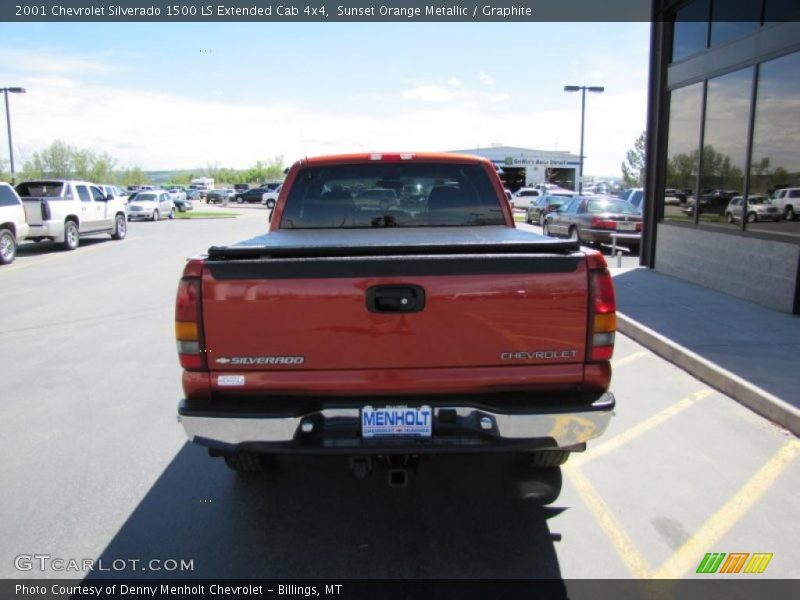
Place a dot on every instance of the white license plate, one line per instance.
(626, 226)
(396, 421)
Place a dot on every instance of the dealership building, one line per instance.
(526, 167)
(724, 128)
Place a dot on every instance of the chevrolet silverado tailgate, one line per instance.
(357, 300)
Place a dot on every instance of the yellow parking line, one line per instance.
(629, 359)
(688, 555)
(634, 561)
(639, 429)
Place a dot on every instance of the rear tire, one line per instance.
(72, 237)
(790, 214)
(172, 214)
(156, 216)
(8, 246)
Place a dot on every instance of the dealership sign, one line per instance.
(510, 161)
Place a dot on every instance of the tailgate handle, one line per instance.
(395, 299)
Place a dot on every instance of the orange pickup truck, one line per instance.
(393, 310)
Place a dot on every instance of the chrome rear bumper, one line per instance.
(454, 426)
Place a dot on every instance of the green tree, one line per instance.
(54, 161)
(633, 167)
(134, 176)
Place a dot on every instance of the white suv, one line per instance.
(788, 202)
(13, 224)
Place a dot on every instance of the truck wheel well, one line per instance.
(73, 218)
(10, 227)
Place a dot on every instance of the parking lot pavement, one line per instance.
(98, 466)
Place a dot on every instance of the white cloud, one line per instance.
(53, 61)
(430, 93)
(158, 129)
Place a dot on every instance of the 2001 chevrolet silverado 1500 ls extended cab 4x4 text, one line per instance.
(393, 309)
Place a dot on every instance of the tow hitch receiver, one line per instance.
(399, 468)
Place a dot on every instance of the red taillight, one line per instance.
(603, 298)
(188, 329)
(186, 302)
(599, 223)
(603, 307)
(638, 227)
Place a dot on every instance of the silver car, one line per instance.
(150, 205)
(759, 208)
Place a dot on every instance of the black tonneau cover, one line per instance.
(388, 242)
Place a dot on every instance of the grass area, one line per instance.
(205, 215)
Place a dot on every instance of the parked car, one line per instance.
(270, 185)
(177, 193)
(240, 188)
(759, 208)
(271, 198)
(711, 202)
(193, 195)
(594, 219)
(635, 197)
(523, 197)
(63, 210)
(251, 195)
(220, 195)
(183, 204)
(114, 191)
(538, 210)
(674, 197)
(150, 205)
(787, 201)
(13, 223)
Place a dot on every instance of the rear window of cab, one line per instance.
(403, 194)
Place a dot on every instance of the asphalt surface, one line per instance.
(96, 466)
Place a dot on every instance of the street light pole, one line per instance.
(582, 88)
(13, 90)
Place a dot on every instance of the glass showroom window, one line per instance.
(780, 10)
(724, 158)
(690, 34)
(732, 19)
(683, 152)
(775, 163)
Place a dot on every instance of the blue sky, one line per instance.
(181, 95)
